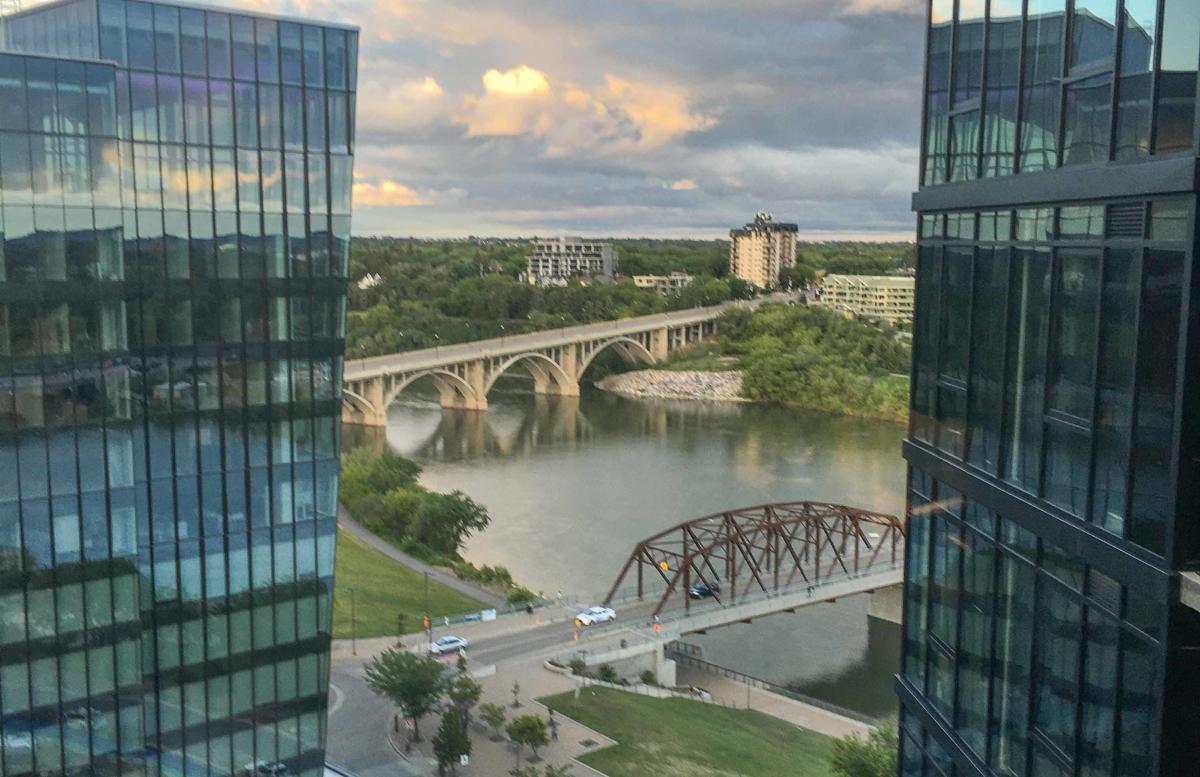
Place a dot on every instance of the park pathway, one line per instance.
(490, 598)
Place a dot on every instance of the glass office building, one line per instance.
(174, 236)
(1054, 447)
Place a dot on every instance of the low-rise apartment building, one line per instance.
(553, 262)
(663, 284)
(876, 297)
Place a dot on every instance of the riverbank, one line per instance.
(676, 384)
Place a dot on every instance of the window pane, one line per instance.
(1135, 79)
(1000, 97)
(1010, 682)
(191, 23)
(1028, 300)
(1043, 70)
(1072, 347)
(968, 60)
(1115, 376)
(989, 302)
(1158, 341)
(1099, 696)
(1087, 121)
(1093, 33)
(1177, 81)
(938, 103)
(925, 333)
(964, 145)
(1059, 633)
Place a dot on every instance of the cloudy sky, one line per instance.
(632, 117)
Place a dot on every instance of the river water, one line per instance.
(573, 484)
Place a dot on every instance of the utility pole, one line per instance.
(428, 622)
(353, 624)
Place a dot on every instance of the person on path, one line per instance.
(553, 727)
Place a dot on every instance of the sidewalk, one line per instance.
(732, 693)
(495, 759)
(490, 598)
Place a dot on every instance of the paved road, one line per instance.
(388, 549)
(358, 369)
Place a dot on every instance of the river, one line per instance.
(573, 484)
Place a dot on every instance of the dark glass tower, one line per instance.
(174, 234)
(1054, 447)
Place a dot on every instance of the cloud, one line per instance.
(684, 185)
(620, 116)
(520, 81)
(386, 193)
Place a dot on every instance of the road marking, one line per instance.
(339, 699)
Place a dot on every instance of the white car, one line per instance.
(447, 645)
(594, 615)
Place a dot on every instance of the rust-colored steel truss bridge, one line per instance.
(764, 547)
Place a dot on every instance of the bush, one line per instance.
(649, 678)
(578, 666)
(521, 595)
(875, 756)
(607, 674)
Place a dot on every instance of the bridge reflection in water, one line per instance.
(542, 422)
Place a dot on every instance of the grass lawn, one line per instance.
(684, 738)
(383, 589)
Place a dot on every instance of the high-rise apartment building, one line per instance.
(1054, 487)
(555, 261)
(759, 251)
(174, 237)
(873, 297)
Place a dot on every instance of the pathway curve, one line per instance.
(489, 598)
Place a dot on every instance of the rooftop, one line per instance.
(37, 6)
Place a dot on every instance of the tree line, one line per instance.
(408, 294)
(811, 357)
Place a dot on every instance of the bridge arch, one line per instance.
(445, 380)
(629, 349)
(358, 403)
(540, 366)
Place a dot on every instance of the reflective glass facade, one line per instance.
(1054, 451)
(174, 237)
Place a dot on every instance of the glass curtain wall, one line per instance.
(172, 304)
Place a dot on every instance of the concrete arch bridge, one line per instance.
(464, 374)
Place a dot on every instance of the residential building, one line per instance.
(663, 284)
(175, 186)
(1054, 482)
(555, 261)
(759, 251)
(875, 297)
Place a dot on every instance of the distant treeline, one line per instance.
(421, 293)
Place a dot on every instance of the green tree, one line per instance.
(493, 715)
(450, 742)
(464, 693)
(413, 683)
(875, 756)
(528, 730)
(444, 521)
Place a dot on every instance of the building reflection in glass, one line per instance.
(173, 252)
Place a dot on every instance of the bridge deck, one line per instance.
(359, 369)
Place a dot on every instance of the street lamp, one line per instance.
(437, 343)
(502, 334)
(563, 321)
(353, 623)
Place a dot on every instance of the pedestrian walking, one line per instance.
(553, 727)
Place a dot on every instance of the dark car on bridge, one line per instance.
(703, 590)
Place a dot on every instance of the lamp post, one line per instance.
(437, 344)
(502, 335)
(353, 623)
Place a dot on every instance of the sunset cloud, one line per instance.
(386, 193)
(503, 117)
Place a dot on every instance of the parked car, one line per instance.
(594, 615)
(703, 590)
(447, 644)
